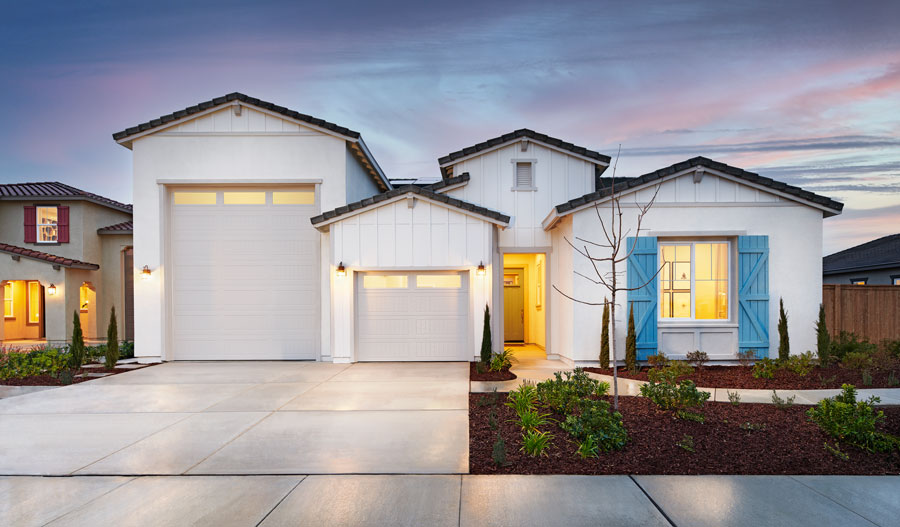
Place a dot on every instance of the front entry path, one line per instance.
(236, 418)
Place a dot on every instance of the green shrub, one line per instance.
(854, 422)
(671, 395)
(883, 360)
(746, 358)
(501, 360)
(112, 341)
(604, 337)
(857, 360)
(20, 365)
(892, 347)
(531, 420)
(126, 351)
(76, 349)
(492, 419)
(523, 398)
(676, 369)
(686, 443)
(631, 343)
(486, 344)
(563, 392)
(765, 368)
(823, 339)
(848, 342)
(595, 420)
(734, 398)
(535, 443)
(698, 358)
(782, 404)
(658, 361)
(588, 448)
(784, 342)
(801, 364)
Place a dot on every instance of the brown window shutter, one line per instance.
(62, 224)
(30, 224)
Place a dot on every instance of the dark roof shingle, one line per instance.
(524, 133)
(126, 227)
(626, 183)
(876, 254)
(56, 190)
(414, 189)
(49, 258)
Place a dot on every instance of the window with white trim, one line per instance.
(47, 224)
(694, 280)
(8, 299)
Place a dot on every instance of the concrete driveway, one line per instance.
(239, 418)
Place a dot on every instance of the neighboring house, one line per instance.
(63, 250)
(271, 234)
(872, 263)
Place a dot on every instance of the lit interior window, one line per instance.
(382, 281)
(694, 279)
(294, 198)
(195, 198)
(8, 291)
(84, 298)
(245, 198)
(47, 228)
(439, 281)
(34, 302)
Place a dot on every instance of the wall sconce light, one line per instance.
(145, 273)
(51, 290)
(480, 271)
(341, 271)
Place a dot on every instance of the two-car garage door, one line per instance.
(244, 274)
(415, 316)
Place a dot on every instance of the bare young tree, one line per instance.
(614, 252)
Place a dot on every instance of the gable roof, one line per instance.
(876, 254)
(357, 207)
(56, 190)
(45, 257)
(831, 206)
(523, 133)
(359, 148)
(126, 227)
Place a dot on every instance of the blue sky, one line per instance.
(807, 93)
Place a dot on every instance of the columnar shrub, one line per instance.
(631, 343)
(76, 350)
(604, 337)
(784, 343)
(823, 339)
(486, 344)
(112, 340)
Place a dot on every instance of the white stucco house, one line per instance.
(270, 234)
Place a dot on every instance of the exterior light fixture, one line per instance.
(480, 271)
(145, 273)
(51, 289)
(341, 271)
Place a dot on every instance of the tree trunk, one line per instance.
(612, 340)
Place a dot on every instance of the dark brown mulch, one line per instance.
(741, 377)
(502, 375)
(789, 443)
(47, 380)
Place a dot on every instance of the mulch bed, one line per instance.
(502, 375)
(789, 444)
(741, 377)
(47, 380)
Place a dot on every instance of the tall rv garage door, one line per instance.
(245, 274)
(412, 316)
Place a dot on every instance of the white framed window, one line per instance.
(8, 300)
(695, 280)
(523, 174)
(47, 224)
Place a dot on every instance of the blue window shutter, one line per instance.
(753, 294)
(643, 263)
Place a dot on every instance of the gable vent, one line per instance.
(524, 175)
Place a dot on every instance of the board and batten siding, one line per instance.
(558, 177)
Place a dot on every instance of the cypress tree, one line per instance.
(784, 344)
(486, 345)
(76, 350)
(604, 337)
(631, 343)
(823, 338)
(112, 341)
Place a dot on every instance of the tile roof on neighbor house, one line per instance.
(49, 258)
(126, 227)
(413, 189)
(626, 183)
(359, 148)
(56, 190)
(520, 134)
(876, 254)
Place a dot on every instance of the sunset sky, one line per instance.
(808, 94)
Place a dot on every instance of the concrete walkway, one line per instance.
(451, 500)
(531, 364)
(244, 418)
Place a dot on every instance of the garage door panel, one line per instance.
(245, 281)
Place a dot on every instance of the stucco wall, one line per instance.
(714, 207)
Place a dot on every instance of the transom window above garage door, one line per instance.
(385, 281)
(439, 281)
(244, 197)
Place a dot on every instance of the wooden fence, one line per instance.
(871, 311)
